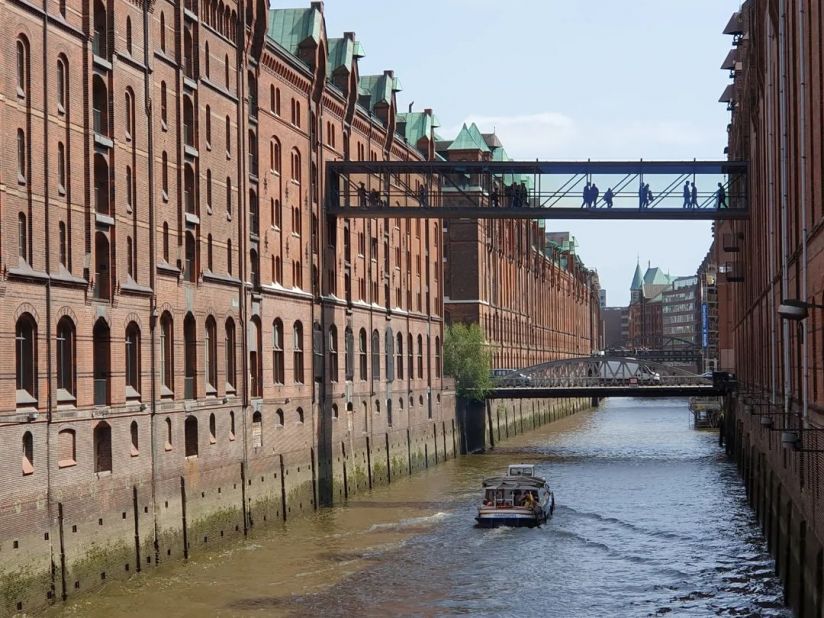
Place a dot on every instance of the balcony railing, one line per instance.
(101, 391)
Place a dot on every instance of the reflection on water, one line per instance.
(651, 519)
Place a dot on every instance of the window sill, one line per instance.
(167, 447)
(66, 463)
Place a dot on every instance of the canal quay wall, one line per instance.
(485, 424)
(72, 537)
(782, 491)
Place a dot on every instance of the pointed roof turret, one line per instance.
(637, 278)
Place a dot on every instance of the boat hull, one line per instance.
(495, 518)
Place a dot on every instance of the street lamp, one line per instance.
(794, 309)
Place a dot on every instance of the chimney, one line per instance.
(317, 5)
(428, 111)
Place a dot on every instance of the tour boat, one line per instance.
(518, 499)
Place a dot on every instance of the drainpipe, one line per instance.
(147, 101)
(782, 114)
(46, 175)
(803, 201)
(771, 232)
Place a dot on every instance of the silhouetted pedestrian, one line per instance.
(362, 195)
(693, 195)
(642, 196)
(687, 198)
(608, 197)
(494, 197)
(524, 194)
(721, 197)
(586, 196)
(593, 195)
(508, 195)
(650, 197)
(422, 196)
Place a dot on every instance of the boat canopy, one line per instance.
(514, 482)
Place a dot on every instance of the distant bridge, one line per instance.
(606, 376)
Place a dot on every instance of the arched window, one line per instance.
(257, 430)
(278, 370)
(22, 167)
(389, 364)
(229, 256)
(298, 352)
(28, 453)
(279, 417)
(300, 415)
(135, 439)
(210, 355)
(26, 359)
(129, 35)
(348, 354)
(231, 425)
(102, 439)
(333, 353)
(189, 357)
(210, 265)
(437, 357)
(420, 356)
(190, 436)
(410, 356)
(376, 356)
(229, 352)
(206, 57)
(389, 412)
(274, 155)
(226, 71)
(169, 436)
(102, 362)
(22, 237)
(66, 377)
(162, 32)
(163, 105)
(166, 242)
(212, 429)
(164, 175)
(362, 354)
(399, 356)
(167, 353)
(296, 171)
(22, 67)
(190, 267)
(62, 84)
(229, 196)
(63, 244)
(228, 136)
(66, 451)
(209, 191)
(255, 360)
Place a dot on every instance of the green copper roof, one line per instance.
(379, 89)
(469, 138)
(416, 125)
(291, 27)
(637, 279)
(341, 54)
(656, 276)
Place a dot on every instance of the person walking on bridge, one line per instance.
(687, 196)
(608, 196)
(693, 195)
(721, 197)
(593, 196)
(587, 196)
(642, 196)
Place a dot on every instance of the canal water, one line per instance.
(651, 519)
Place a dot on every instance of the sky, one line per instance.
(566, 79)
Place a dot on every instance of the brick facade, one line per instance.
(185, 322)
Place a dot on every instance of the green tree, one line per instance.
(467, 358)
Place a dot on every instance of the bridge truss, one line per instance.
(600, 376)
(675, 190)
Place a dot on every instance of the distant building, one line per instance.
(602, 298)
(706, 308)
(615, 327)
(679, 326)
(645, 315)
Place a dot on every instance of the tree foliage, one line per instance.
(467, 358)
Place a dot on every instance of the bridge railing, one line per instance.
(538, 189)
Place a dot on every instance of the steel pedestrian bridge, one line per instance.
(664, 190)
(606, 376)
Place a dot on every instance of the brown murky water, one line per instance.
(651, 520)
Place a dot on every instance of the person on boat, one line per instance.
(529, 500)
